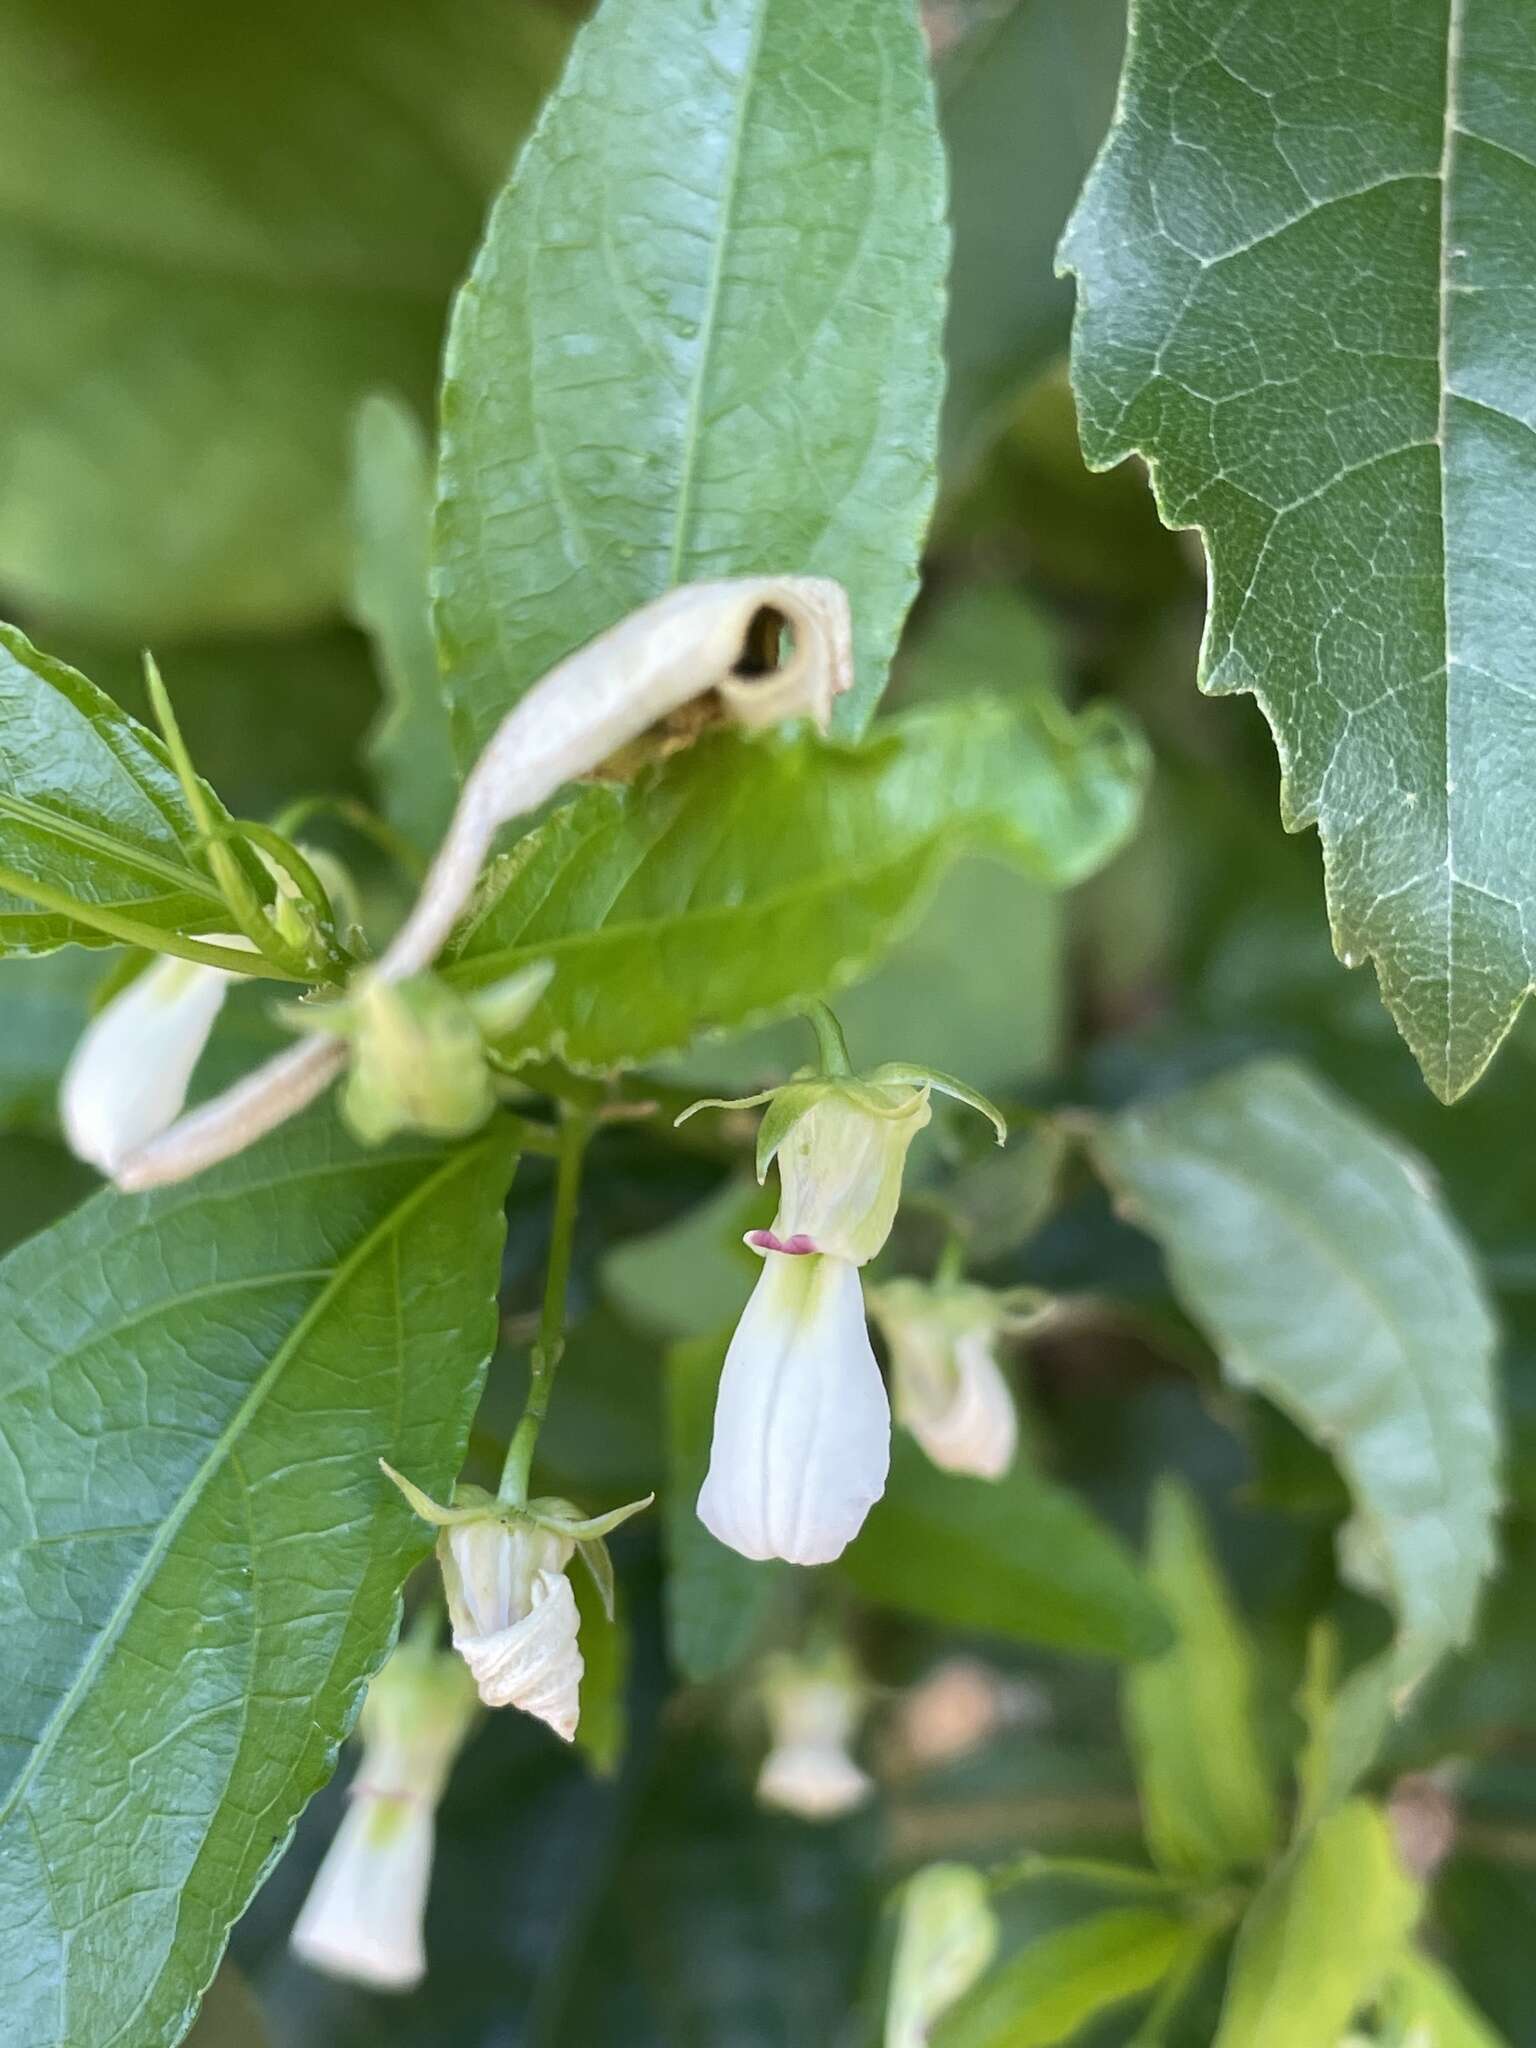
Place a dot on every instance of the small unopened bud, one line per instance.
(364, 1914)
(947, 1384)
(514, 1616)
(946, 1938)
(418, 1062)
(814, 1709)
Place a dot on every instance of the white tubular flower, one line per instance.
(128, 1076)
(814, 1710)
(946, 1938)
(514, 1616)
(802, 1440)
(948, 1387)
(363, 1917)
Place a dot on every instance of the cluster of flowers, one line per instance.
(801, 1444)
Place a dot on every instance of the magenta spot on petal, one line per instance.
(797, 1247)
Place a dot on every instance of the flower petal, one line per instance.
(802, 1436)
(816, 1780)
(363, 1917)
(536, 1664)
(975, 1430)
(128, 1076)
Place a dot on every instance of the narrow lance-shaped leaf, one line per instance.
(410, 744)
(1320, 1260)
(1051, 1989)
(1306, 295)
(1207, 1799)
(744, 878)
(699, 339)
(90, 814)
(1319, 1939)
(200, 1561)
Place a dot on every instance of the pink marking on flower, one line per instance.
(797, 1247)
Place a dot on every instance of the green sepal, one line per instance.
(896, 1072)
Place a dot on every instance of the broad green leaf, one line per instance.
(1023, 102)
(717, 1601)
(1207, 1800)
(90, 811)
(744, 877)
(200, 1562)
(1302, 298)
(701, 337)
(1321, 1937)
(231, 224)
(1022, 1557)
(1428, 2009)
(1319, 1259)
(1056, 1985)
(410, 746)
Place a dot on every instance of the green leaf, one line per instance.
(200, 1561)
(1426, 2005)
(1207, 1800)
(229, 227)
(90, 812)
(1022, 105)
(1300, 298)
(700, 339)
(1053, 1987)
(1319, 1259)
(745, 877)
(1319, 1940)
(718, 1603)
(410, 746)
(1022, 1557)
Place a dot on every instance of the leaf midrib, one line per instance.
(91, 839)
(106, 1638)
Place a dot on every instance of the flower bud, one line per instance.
(840, 1165)
(418, 1061)
(947, 1385)
(363, 1917)
(814, 1710)
(514, 1615)
(128, 1075)
(946, 1938)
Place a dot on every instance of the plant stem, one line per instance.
(830, 1042)
(544, 1362)
(128, 931)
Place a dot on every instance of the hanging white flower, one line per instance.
(802, 1439)
(513, 1610)
(947, 1385)
(946, 1937)
(515, 1618)
(364, 1914)
(128, 1076)
(801, 1445)
(814, 1708)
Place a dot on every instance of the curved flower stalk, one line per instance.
(801, 1445)
(129, 1073)
(514, 1614)
(814, 1708)
(697, 646)
(363, 1916)
(948, 1386)
(946, 1937)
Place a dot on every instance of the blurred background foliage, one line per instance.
(249, 218)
